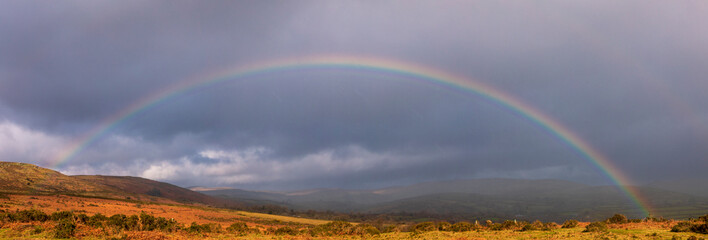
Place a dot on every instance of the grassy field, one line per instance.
(201, 222)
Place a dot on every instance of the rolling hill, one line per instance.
(23, 178)
(547, 200)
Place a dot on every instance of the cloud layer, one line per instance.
(628, 77)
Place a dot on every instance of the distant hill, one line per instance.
(692, 186)
(548, 200)
(26, 178)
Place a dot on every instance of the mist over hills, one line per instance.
(477, 199)
(548, 200)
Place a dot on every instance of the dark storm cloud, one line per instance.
(627, 77)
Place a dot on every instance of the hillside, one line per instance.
(26, 178)
(142, 186)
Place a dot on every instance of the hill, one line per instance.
(23, 178)
(692, 186)
(547, 200)
(26, 178)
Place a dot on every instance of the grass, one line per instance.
(283, 218)
(268, 224)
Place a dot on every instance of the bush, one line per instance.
(82, 218)
(28, 215)
(570, 223)
(596, 227)
(618, 218)
(148, 222)
(65, 229)
(204, 228)
(509, 224)
(443, 226)
(332, 228)
(424, 227)
(700, 228)
(462, 227)
(238, 227)
(96, 220)
(58, 216)
(682, 227)
(285, 231)
(365, 230)
(550, 226)
(389, 228)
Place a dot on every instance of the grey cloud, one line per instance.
(625, 76)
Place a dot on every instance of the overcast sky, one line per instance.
(628, 77)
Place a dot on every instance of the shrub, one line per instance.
(550, 226)
(116, 220)
(132, 223)
(462, 227)
(596, 227)
(365, 229)
(390, 228)
(58, 216)
(204, 228)
(285, 231)
(96, 220)
(700, 228)
(65, 229)
(508, 224)
(618, 218)
(570, 223)
(148, 222)
(443, 226)
(332, 228)
(238, 227)
(682, 227)
(424, 227)
(28, 215)
(82, 218)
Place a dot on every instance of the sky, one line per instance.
(627, 77)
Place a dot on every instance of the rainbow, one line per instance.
(402, 69)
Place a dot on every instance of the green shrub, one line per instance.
(64, 229)
(204, 228)
(682, 227)
(58, 216)
(424, 227)
(132, 223)
(285, 231)
(37, 230)
(443, 226)
(147, 222)
(238, 227)
(462, 227)
(365, 229)
(96, 220)
(550, 226)
(508, 224)
(28, 215)
(82, 218)
(332, 228)
(389, 228)
(570, 223)
(618, 218)
(700, 228)
(596, 227)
